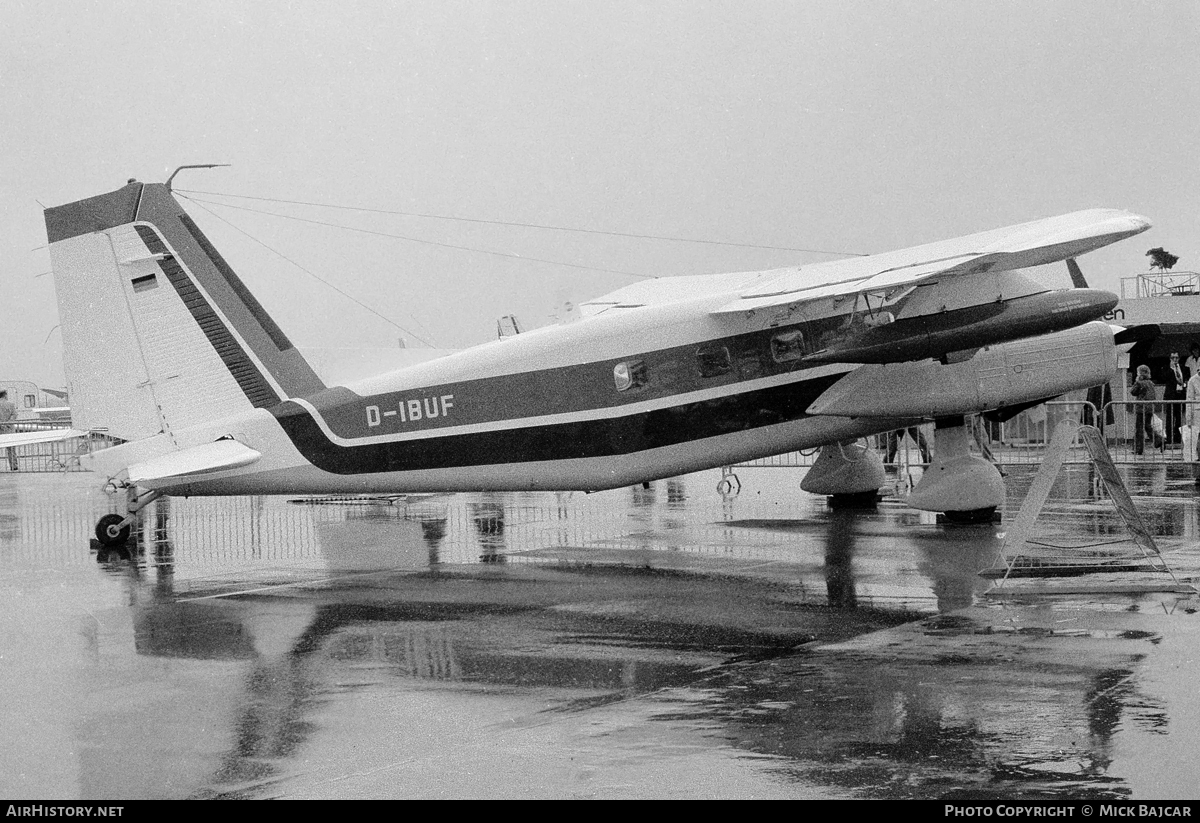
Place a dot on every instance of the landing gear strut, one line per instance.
(114, 529)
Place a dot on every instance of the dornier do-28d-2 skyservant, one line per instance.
(166, 349)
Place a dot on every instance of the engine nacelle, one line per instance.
(1004, 375)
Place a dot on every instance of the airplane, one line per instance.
(166, 349)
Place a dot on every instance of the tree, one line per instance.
(1161, 259)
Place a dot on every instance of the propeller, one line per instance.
(1136, 334)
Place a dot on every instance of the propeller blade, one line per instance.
(1076, 274)
(1136, 334)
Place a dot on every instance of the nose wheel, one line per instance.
(112, 530)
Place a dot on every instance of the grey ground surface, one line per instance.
(638, 643)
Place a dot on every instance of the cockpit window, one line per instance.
(630, 375)
(713, 361)
(786, 346)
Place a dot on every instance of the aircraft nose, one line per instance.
(1102, 300)
(1085, 304)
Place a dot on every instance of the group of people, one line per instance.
(1182, 383)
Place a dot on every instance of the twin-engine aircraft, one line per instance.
(167, 349)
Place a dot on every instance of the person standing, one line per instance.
(8, 413)
(1191, 417)
(1142, 391)
(1174, 389)
(1192, 364)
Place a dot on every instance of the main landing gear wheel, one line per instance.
(110, 532)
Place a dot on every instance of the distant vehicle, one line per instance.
(39, 409)
(166, 348)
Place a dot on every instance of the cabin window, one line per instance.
(149, 281)
(630, 375)
(31, 401)
(787, 346)
(714, 361)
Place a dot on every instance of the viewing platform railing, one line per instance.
(1161, 284)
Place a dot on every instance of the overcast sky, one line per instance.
(834, 126)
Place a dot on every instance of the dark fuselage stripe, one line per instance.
(564, 390)
(608, 437)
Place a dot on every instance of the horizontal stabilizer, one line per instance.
(9, 441)
(210, 457)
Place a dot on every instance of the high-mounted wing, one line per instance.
(662, 290)
(1014, 247)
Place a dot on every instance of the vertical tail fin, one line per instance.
(158, 331)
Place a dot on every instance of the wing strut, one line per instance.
(1076, 274)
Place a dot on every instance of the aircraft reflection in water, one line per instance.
(839, 559)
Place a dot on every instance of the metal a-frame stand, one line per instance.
(1015, 558)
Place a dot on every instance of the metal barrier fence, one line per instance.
(1120, 422)
(1024, 438)
(1021, 441)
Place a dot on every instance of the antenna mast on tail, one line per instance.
(196, 166)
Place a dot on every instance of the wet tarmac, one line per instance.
(667, 642)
